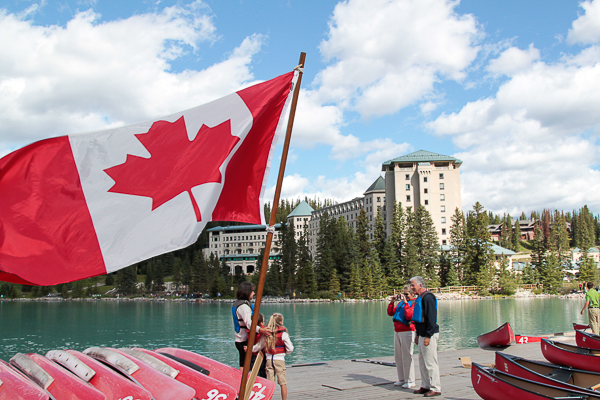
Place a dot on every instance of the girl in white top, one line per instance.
(277, 346)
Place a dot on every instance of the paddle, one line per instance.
(595, 387)
(253, 375)
(466, 363)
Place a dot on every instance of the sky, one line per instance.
(509, 87)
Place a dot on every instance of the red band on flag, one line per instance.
(41, 192)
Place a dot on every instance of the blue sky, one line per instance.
(508, 87)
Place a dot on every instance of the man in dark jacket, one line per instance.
(427, 329)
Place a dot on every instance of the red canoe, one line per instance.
(60, 383)
(503, 336)
(528, 339)
(162, 386)
(205, 386)
(262, 389)
(589, 340)
(571, 356)
(15, 386)
(111, 383)
(491, 384)
(580, 327)
(550, 374)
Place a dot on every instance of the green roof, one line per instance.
(302, 210)
(378, 185)
(240, 228)
(423, 156)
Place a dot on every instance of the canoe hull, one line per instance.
(571, 356)
(585, 339)
(500, 337)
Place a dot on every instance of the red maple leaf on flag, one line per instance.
(176, 164)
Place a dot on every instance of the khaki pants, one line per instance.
(593, 317)
(404, 344)
(428, 364)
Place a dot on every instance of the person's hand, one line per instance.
(426, 341)
(264, 331)
(245, 348)
(581, 312)
(416, 340)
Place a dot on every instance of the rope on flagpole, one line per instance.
(270, 229)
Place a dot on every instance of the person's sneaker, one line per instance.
(408, 385)
(431, 393)
(399, 383)
(422, 390)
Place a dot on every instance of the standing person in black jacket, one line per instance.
(428, 332)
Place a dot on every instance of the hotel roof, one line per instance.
(423, 156)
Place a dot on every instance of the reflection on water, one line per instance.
(320, 331)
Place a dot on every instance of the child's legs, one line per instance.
(270, 371)
(283, 392)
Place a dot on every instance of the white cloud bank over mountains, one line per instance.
(533, 144)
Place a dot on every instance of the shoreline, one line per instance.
(271, 300)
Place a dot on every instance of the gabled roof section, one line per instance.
(423, 156)
(302, 210)
(377, 186)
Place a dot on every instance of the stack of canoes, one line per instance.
(101, 373)
(573, 372)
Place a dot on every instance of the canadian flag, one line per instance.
(77, 206)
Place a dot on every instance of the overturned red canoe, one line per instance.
(161, 386)
(538, 371)
(262, 389)
(571, 356)
(60, 383)
(491, 384)
(112, 384)
(204, 385)
(500, 337)
(15, 386)
(589, 340)
(520, 339)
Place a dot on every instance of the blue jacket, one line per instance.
(236, 320)
(399, 314)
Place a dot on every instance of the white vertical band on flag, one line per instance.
(128, 230)
(281, 127)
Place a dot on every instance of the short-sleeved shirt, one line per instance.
(593, 297)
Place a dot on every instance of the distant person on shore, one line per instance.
(242, 311)
(276, 347)
(428, 333)
(592, 302)
(404, 336)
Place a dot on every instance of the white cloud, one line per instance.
(586, 28)
(91, 75)
(534, 144)
(514, 60)
(389, 54)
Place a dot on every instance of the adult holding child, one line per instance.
(404, 336)
(242, 311)
(428, 333)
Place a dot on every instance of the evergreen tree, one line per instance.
(159, 273)
(507, 284)
(334, 285)
(378, 278)
(587, 269)
(109, 280)
(379, 237)
(479, 259)
(289, 249)
(559, 238)
(529, 275)
(396, 269)
(186, 273)
(127, 280)
(363, 245)
(505, 232)
(78, 290)
(538, 255)
(523, 217)
(177, 272)
(458, 244)
(325, 261)
(516, 237)
(355, 279)
(421, 236)
(553, 281)
(148, 286)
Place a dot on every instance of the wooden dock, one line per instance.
(347, 380)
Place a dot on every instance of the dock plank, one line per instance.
(348, 380)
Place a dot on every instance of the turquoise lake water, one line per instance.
(319, 331)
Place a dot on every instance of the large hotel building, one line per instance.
(420, 178)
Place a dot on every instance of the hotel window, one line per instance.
(443, 208)
(443, 220)
(379, 199)
(424, 190)
(426, 202)
(443, 231)
(441, 175)
(407, 186)
(407, 177)
(442, 197)
(441, 186)
(444, 242)
(425, 179)
(408, 198)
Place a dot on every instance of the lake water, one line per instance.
(319, 331)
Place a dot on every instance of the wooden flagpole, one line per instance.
(243, 395)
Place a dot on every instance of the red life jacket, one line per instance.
(279, 344)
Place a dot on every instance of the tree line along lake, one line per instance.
(319, 331)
